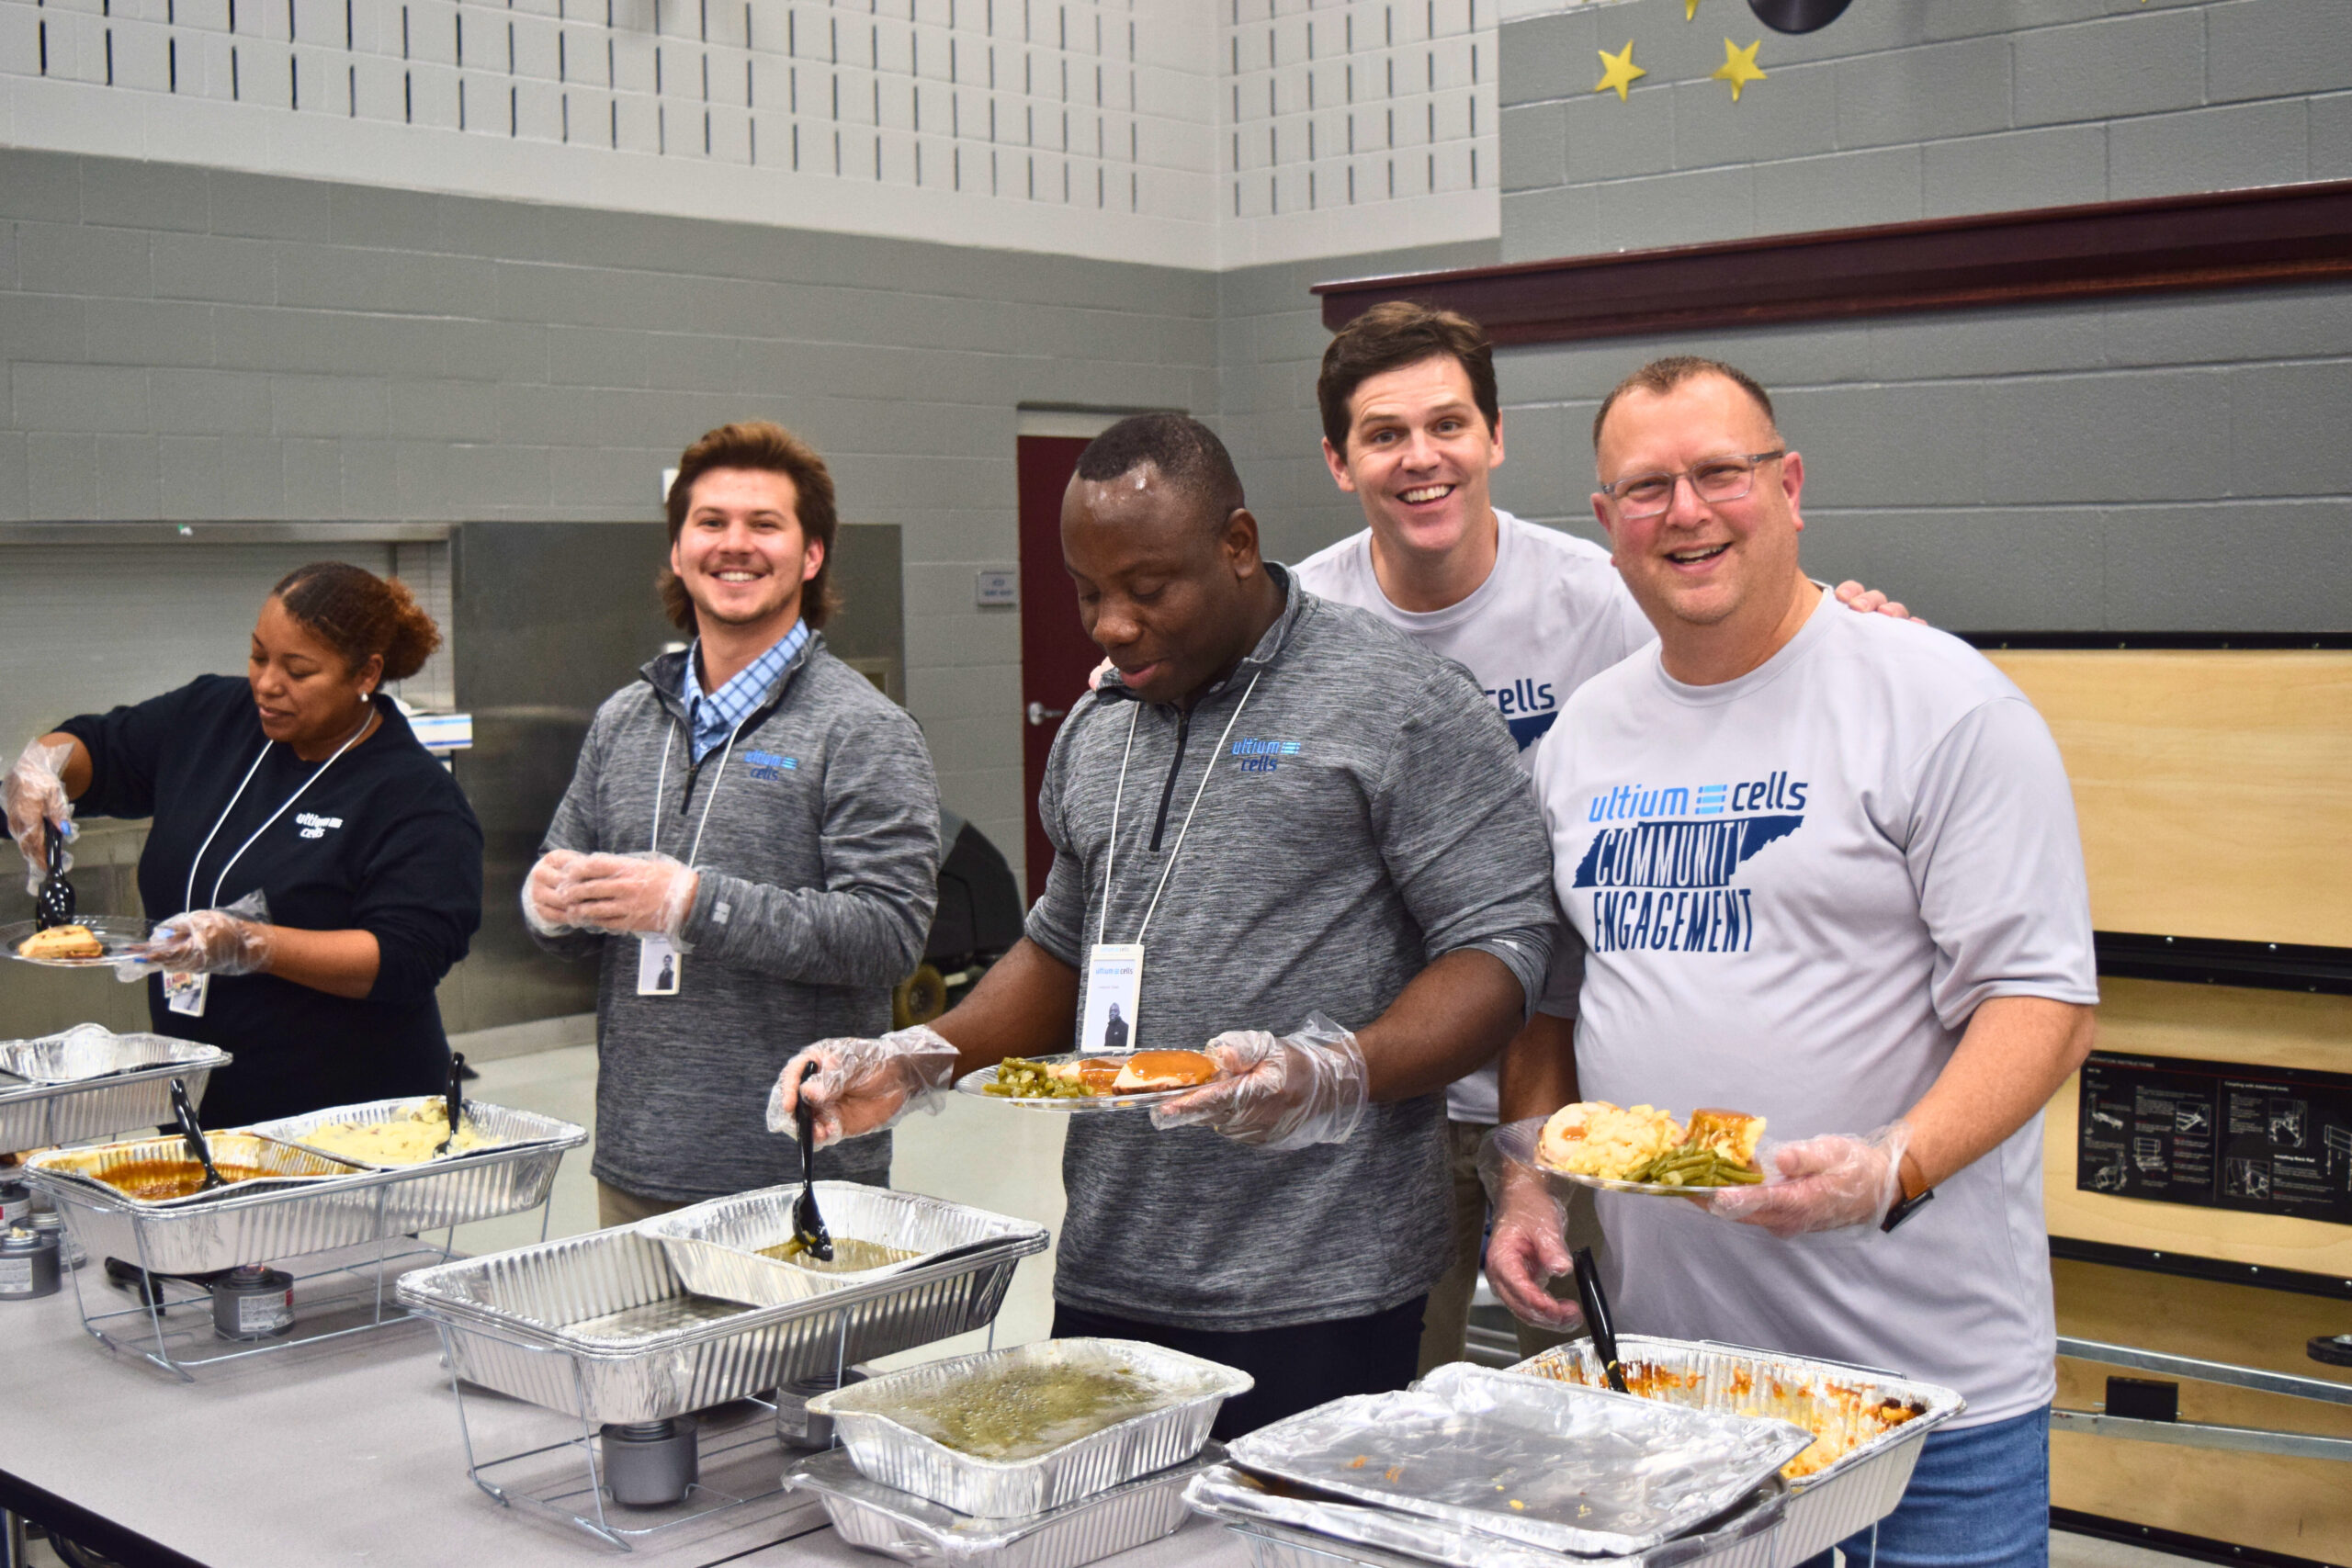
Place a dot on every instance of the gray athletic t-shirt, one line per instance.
(1796, 888)
(1551, 616)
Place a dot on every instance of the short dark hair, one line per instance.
(768, 447)
(359, 615)
(1391, 335)
(1660, 376)
(1186, 452)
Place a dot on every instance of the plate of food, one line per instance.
(1096, 1080)
(1642, 1149)
(94, 941)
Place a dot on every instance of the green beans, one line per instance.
(1017, 1078)
(1695, 1165)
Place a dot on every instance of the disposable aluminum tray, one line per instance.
(600, 1326)
(898, 1524)
(511, 1175)
(895, 1454)
(1543, 1463)
(715, 1246)
(215, 1230)
(89, 1082)
(1309, 1531)
(1847, 1496)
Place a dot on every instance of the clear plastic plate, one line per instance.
(116, 934)
(977, 1084)
(1517, 1140)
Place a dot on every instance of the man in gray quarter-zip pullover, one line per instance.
(1313, 816)
(749, 846)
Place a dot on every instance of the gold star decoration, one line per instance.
(1619, 69)
(1738, 67)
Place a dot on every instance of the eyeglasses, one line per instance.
(1727, 478)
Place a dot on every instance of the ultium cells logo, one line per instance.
(1664, 882)
(1263, 756)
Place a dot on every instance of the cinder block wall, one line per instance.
(2172, 462)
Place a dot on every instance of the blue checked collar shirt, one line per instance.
(714, 717)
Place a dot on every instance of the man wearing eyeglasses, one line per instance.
(1826, 870)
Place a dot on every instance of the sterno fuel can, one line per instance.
(253, 1302)
(27, 1264)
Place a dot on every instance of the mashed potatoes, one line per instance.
(404, 1140)
(1593, 1137)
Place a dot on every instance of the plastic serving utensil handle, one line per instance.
(454, 1101)
(184, 1112)
(1596, 1317)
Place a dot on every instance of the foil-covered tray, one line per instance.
(716, 1245)
(880, 1518)
(980, 1084)
(1299, 1528)
(513, 1174)
(89, 1082)
(1860, 1463)
(601, 1327)
(116, 933)
(876, 1420)
(1549, 1464)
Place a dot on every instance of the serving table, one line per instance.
(343, 1452)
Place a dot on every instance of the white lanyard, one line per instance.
(188, 900)
(661, 780)
(1111, 854)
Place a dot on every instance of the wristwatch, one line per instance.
(1905, 1209)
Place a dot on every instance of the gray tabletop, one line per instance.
(349, 1451)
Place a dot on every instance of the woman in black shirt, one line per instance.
(303, 785)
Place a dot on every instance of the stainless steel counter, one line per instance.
(342, 1453)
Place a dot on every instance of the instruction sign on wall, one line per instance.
(2217, 1135)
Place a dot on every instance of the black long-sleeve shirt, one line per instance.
(383, 842)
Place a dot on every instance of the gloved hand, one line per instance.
(863, 1086)
(547, 893)
(34, 793)
(1821, 1184)
(646, 893)
(1528, 1243)
(1308, 1088)
(234, 940)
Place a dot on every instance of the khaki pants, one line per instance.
(614, 1207)
(1445, 1324)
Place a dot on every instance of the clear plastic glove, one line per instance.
(34, 793)
(645, 892)
(1305, 1089)
(1528, 1245)
(234, 940)
(1821, 1184)
(863, 1086)
(547, 893)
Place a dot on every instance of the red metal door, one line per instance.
(1056, 653)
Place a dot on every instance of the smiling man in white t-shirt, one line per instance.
(1412, 427)
(1828, 871)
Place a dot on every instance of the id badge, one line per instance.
(183, 993)
(1114, 996)
(657, 966)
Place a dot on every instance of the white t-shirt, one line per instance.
(1796, 888)
(1551, 616)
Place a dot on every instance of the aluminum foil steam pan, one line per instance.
(876, 1421)
(601, 1327)
(89, 1082)
(1289, 1528)
(242, 1223)
(511, 1175)
(1857, 1470)
(1548, 1465)
(898, 1524)
(715, 1246)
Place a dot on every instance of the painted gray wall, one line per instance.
(2175, 462)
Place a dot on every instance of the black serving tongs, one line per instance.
(807, 1224)
(184, 1111)
(456, 1101)
(54, 904)
(1596, 1318)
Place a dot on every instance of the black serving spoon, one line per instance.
(184, 1111)
(54, 906)
(456, 1100)
(1596, 1317)
(807, 1224)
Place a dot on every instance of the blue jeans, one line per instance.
(1980, 1498)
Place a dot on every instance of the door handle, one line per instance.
(1039, 712)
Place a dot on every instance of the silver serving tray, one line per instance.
(874, 1518)
(1846, 1496)
(715, 1246)
(601, 1327)
(89, 1082)
(511, 1175)
(116, 933)
(1312, 1530)
(888, 1450)
(1549, 1464)
(976, 1084)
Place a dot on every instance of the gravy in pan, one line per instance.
(850, 1255)
(151, 1180)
